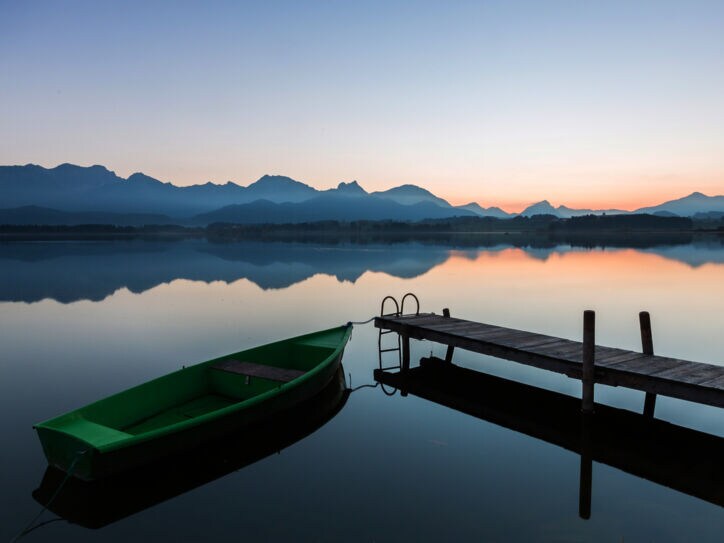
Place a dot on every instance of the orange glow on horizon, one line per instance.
(615, 262)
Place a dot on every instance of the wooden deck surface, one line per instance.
(694, 381)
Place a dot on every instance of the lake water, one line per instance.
(81, 320)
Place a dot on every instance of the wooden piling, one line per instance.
(450, 348)
(405, 351)
(647, 346)
(589, 345)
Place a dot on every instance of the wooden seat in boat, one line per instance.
(252, 369)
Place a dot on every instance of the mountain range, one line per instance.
(70, 194)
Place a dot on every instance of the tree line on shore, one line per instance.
(470, 225)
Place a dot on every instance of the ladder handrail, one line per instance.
(382, 307)
(402, 304)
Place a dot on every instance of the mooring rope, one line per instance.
(362, 322)
(27, 529)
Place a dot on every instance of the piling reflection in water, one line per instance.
(99, 503)
(673, 456)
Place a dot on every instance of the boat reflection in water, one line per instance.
(99, 503)
(679, 458)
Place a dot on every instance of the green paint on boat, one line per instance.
(191, 405)
(95, 504)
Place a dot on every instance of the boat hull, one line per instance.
(89, 460)
(96, 504)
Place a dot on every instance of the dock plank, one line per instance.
(645, 364)
(622, 358)
(717, 382)
(690, 372)
(539, 342)
(565, 350)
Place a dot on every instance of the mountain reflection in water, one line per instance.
(71, 271)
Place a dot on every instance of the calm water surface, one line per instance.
(80, 320)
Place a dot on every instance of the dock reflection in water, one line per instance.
(99, 503)
(673, 456)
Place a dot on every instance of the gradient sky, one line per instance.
(585, 103)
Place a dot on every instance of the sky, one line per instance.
(601, 104)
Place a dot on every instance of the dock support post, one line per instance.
(450, 348)
(589, 345)
(647, 346)
(405, 352)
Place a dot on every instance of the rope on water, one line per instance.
(355, 389)
(362, 322)
(27, 529)
(44, 523)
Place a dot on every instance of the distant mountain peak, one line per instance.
(267, 178)
(65, 166)
(688, 206)
(409, 194)
(485, 211)
(409, 188)
(278, 180)
(140, 177)
(350, 188)
(543, 207)
(542, 204)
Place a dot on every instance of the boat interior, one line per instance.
(195, 391)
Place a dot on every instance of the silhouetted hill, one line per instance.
(562, 212)
(410, 195)
(328, 207)
(688, 206)
(540, 208)
(348, 189)
(279, 188)
(485, 211)
(76, 188)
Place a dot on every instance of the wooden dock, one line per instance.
(693, 381)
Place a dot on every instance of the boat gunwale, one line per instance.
(206, 417)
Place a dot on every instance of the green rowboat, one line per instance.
(95, 504)
(191, 405)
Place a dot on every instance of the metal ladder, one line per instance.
(399, 310)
